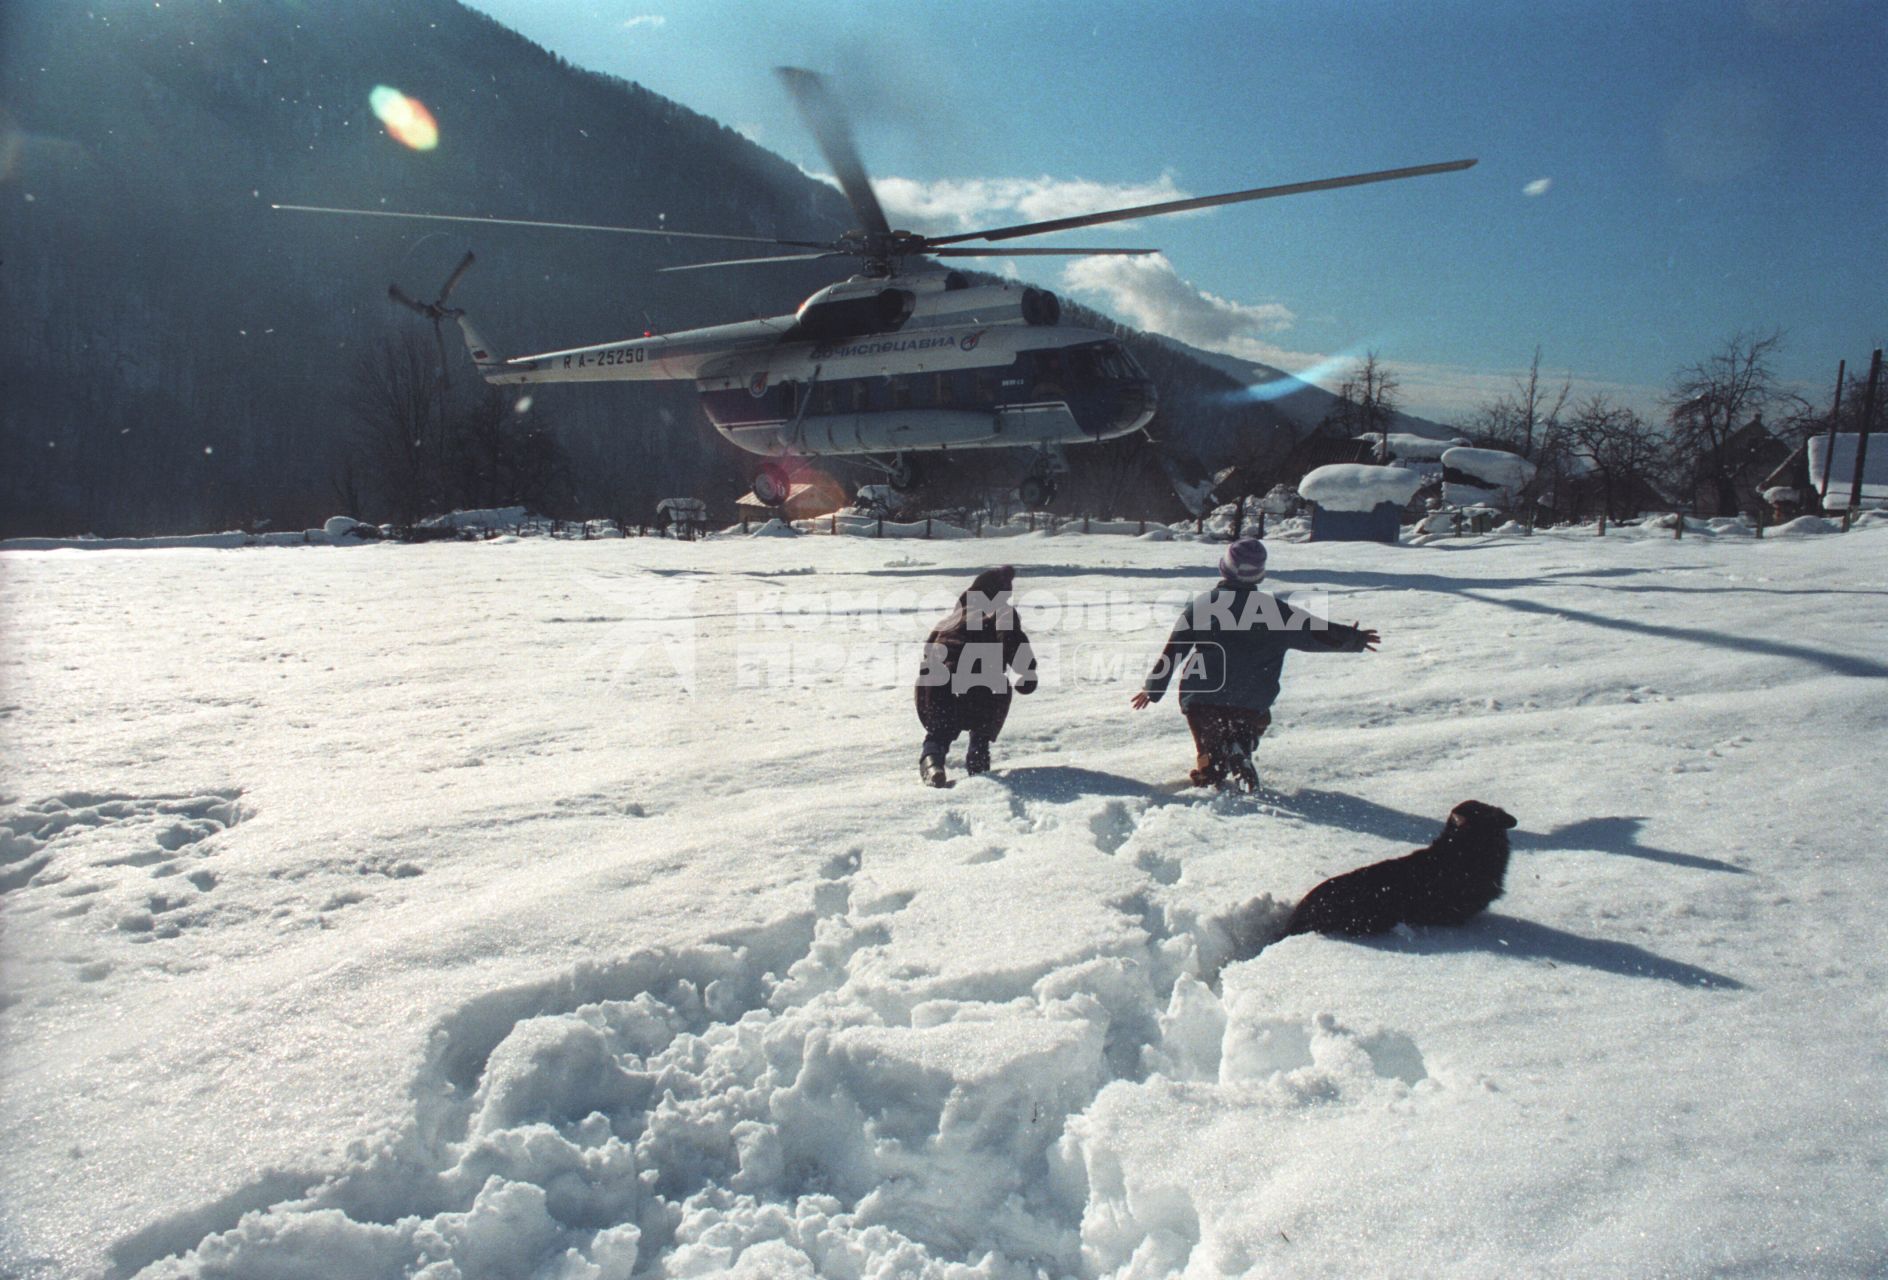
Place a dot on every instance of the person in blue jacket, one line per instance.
(1229, 648)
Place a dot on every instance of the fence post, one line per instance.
(1084, 523)
(881, 526)
(1602, 524)
(1261, 522)
(927, 526)
(1678, 525)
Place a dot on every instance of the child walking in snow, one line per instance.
(1229, 647)
(962, 686)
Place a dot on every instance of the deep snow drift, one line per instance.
(573, 909)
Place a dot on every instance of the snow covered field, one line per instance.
(549, 909)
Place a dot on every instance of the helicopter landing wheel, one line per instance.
(1036, 492)
(773, 484)
(905, 473)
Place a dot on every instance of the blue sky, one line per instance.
(1653, 177)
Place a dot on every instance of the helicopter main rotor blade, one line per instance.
(828, 124)
(1020, 252)
(559, 226)
(452, 281)
(748, 262)
(1200, 202)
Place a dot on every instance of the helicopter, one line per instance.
(902, 359)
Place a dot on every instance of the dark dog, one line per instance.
(1457, 876)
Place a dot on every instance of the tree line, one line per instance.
(1727, 421)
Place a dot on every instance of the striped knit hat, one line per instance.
(1244, 561)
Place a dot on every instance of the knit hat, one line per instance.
(1244, 561)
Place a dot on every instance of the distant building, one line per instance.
(1356, 502)
(1752, 455)
(1484, 477)
(1806, 469)
(684, 517)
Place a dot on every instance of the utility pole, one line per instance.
(1861, 440)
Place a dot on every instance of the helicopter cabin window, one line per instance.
(1051, 374)
(1115, 361)
(901, 392)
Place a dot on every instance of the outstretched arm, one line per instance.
(1308, 631)
(1178, 642)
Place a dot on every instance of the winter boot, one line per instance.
(1241, 773)
(1208, 771)
(977, 758)
(931, 770)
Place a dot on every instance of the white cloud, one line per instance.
(1149, 294)
(645, 22)
(1538, 187)
(966, 204)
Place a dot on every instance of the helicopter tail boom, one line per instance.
(491, 365)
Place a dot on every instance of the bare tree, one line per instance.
(395, 400)
(1367, 402)
(502, 456)
(1529, 421)
(1526, 420)
(1712, 402)
(1621, 447)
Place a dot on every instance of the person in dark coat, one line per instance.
(963, 686)
(1229, 647)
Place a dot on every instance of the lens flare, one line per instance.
(1328, 369)
(407, 119)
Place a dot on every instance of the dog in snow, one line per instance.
(1453, 879)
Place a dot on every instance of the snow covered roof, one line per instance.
(1494, 467)
(1407, 445)
(1842, 473)
(1353, 486)
(795, 492)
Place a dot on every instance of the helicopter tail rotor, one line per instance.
(437, 310)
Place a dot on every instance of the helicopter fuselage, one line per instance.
(877, 365)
